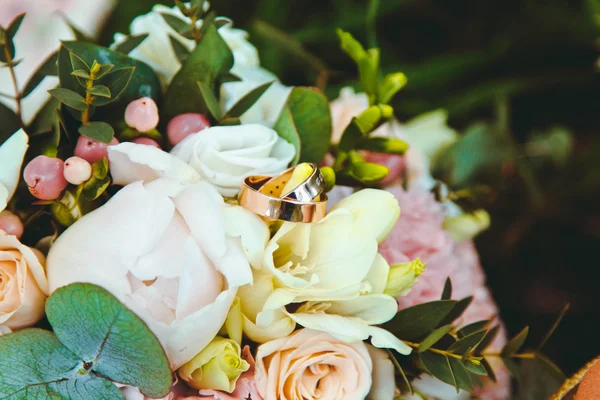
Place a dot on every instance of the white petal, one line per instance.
(378, 274)
(375, 211)
(130, 162)
(12, 152)
(372, 309)
(253, 232)
(3, 197)
(384, 383)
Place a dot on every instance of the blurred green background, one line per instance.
(520, 79)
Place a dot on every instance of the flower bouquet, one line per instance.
(188, 227)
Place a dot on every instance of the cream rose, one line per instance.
(12, 152)
(314, 365)
(173, 252)
(224, 156)
(156, 49)
(23, 284)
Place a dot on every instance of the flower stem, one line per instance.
(460, 357)
(13, 76)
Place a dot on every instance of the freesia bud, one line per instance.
(369, 173)
(468, 225)
(402, 277)
(329, 177)
(392, 83)
(216, 367)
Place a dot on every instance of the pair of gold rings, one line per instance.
(263, 196)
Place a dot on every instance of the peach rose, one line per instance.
(313, 365)
(23, 284)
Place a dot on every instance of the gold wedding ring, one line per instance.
(268, 204)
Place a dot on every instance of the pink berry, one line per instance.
(146, 141)
(92, 150)
(184, 125)
(45, 178)
(11, 224)
(77, 170)
(142, 114)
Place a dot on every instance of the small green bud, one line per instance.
(351, 46)
(384, 145)
(66, 210)
(369, 119)
(368, 173)
(391, 84)
(95, 67)
(402, 277)
(329, 177)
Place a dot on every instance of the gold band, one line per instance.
(308, 190)
(285, 209)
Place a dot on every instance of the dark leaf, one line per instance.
(553, 327)
(81, 73)
(286, 128)
(69, 98)
(404, 384)
(97, 130)
(9, 123)
(514, 369)
(457, 311)
(462, 375)
(175, 22)
(352, 136)
(540, 378)
(475, 368)
(417, 321)
(434, 337)
(468, 342)
(488, 369)
(77, 63)
(210, 100)
(230, 78)
(48, 68)
(14, 26)
(130, 43)
(6, 45)
(94, 187)
(229, 122)
(207, 63)
(93, 324)
(447, 292)
(222, 21)
(246, 102)
(472, 328)
(181, 52)
(116, 82)
(515, 344)
(488, 339)
(46, 118)
(438, 365)
(104, 69)
(99, 90)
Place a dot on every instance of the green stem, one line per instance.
(13, 76)
(85, 115)
(460, 357)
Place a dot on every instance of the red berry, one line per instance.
(45, 177)
(184, 125)
(92, 150)
(146, 141)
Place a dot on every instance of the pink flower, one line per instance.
(245, 387)
(419, 234)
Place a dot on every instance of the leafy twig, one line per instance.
(13, 76)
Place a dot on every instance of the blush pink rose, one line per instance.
(419, 234)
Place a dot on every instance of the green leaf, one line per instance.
(286, 129)
(48, 68)
(366, 173)
(229, 122)
(488, 339)
(210, 60)
(438, 365)
(35, 365)
(130, 43)
(447, 292)
(9, 123)
(488, 369)
(553, 327)
(540, 378)
(93, 324)
(515, 344)
(514, 369)
(461, 374)
(94, 187)
(100, 169)
(246, 102)
(478, 369)
(210, 100)
(472, 328)
(404, 384)
(309, 119)
(14, 26)
(97, 130)
(81, 73)
(6, 43)
(69, 98)
(457, 311)
(352, 136)
(175, 22)
(77, 63)
(104, 69)
(125, 85)
(99, 90)
(181, 52)
(417, 321)
(434, 337)
(467, 343)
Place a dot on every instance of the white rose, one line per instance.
(222, 155)
(268, 107)
(334, 269)
(173, 252)
(156, 49)
(12, 152)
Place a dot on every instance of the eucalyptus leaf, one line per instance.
(352, 136)
(286, 129)
(94, 187)
(309, 116)
(438, 365)
(110, 339)
(9, 122)
(404, 384)
(457, 311)
(130, 43)
(14, 26)
(48, 68)
(36, 365)
(175, 22)
(417, 321)
(434, 337)
(210, 60)
(475, 368)
(468, 342)
(125, 85)
(488, 339)
(99, 90)
(77, 63)
(6, 46)
(97, 130)
(248, 100)
(210, 100)
(229, 122)
(104, 69)
(515, 344)
(472, 328)
(81, 73)
(461, 374)
(181, 52)
(488, 369)
(447, 292)
(540, 378)
(69, 98)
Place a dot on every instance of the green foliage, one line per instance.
(98, 182)
(130, 43)
(69, 98)
(305, 122)
(181, 52)
(92, 332)
(248, 100)
(97, 130)
(415, 322)
(208, 63)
